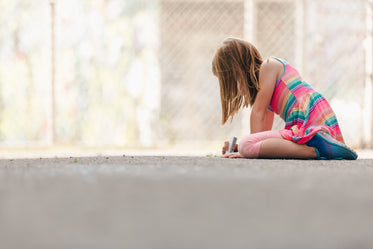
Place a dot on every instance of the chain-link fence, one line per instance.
(137, 73)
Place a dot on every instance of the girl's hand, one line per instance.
(233, 155)
(226, 147)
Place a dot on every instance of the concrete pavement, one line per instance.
(185, 202)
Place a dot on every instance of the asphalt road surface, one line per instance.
(185, 202)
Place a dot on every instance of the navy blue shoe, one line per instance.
(329, 148)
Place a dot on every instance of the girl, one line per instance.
(274, 86)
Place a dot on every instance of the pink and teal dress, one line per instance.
(304, 110)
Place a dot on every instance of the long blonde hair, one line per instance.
(236, 64)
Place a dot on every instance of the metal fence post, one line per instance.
(367, 108)
(53, 72)
(249, 35)
(299, 34)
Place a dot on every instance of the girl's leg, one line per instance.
(270, 144)
(282, 148)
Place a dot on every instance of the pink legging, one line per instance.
(249, 146)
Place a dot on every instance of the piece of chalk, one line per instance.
(232, 143)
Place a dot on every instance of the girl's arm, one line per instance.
(268, 120)
(269, 72)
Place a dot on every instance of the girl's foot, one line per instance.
(329, 148)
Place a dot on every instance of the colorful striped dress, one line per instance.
(304, 110)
